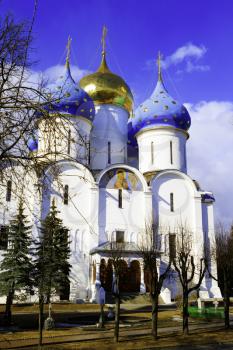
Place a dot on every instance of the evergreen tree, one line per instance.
(52, 255)
(16, 265)
(51, 268)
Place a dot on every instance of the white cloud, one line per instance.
(210, 156)
(185, 56)
(54, 72)
(51, 74)
(190, 67)
(188, 51)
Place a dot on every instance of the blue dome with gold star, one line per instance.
(160, 109)
(67, 97)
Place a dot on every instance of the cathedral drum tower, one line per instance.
(159, 128)
(73, 111)
(113, 104)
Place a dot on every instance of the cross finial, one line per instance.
(159, 60)
(68, 51)
(103, 39)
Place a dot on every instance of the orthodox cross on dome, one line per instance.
(68, 51)
(158, 61)
(103, 40)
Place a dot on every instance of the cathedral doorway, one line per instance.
(106, 274)
(130, 277)
(135, 276)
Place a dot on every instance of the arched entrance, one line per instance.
(135, 276)
(124, 277)
(130, 277)
(106, 274)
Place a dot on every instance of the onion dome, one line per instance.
(105, 87)
(160, 109)
(67, 97)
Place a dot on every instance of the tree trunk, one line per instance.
(41, 319)
(185, 314)
(101, 318)
(117, 311)
(226, 302)
(9, 302)
(117, 317)
(155, 303)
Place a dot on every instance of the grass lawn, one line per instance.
(134, 320)
(56, 307)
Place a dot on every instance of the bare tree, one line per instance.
(116, 256)
(190, 269)
(222, 255)
(26, 110)
(151, 254)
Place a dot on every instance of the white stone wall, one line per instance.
(80, 216)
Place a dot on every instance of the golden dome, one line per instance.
(105, 87)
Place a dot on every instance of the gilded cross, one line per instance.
(159, 60)
(103, 40)
(68, 51)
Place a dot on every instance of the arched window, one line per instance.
(120, 198)
(152, 152)
(171, 153)
(69, 142)
(120, 236)
(8, 190)
(172, 245)
(66, 195)
(171, 202)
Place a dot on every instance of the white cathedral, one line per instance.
(117, 169)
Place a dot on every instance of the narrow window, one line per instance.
(171, 202)
(172, 245)
(171, 153)
(120, 198)
(66, 194)
(119, 236)
(69, 142)
(109, 152)
(4, 237)
(152, 152)
(8, 191)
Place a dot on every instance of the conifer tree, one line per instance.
(52, 261)
(51, 268)
(16, 265)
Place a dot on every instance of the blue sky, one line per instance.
(195, 38)
(136, 31)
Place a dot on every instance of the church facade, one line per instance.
(116, 170)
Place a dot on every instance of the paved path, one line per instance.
(92, 335)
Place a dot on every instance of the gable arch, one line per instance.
(61, 166)
(176, 174)
(126, 168)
